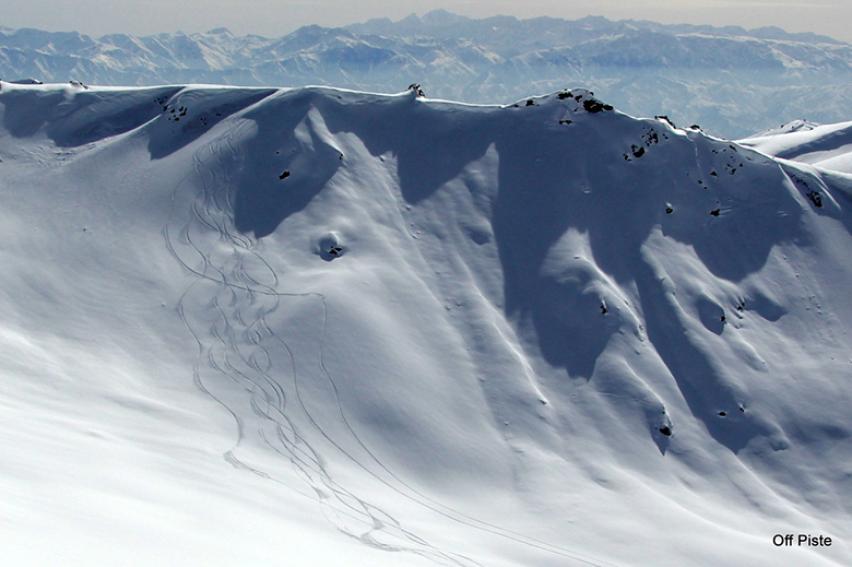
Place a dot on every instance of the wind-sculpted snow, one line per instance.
(329, 327)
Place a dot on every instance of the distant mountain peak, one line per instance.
(442, 17)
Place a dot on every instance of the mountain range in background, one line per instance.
(730, 80)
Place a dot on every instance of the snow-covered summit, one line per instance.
(340, 327)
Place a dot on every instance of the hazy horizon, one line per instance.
(276, 19)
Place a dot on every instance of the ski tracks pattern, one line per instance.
(226, 309)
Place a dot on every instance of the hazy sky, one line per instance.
(278, 17)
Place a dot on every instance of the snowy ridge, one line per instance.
(828, 146)
(730, 80)
(330, 325)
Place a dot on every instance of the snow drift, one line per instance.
(316, 327)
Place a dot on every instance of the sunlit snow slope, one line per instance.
(321, 327)
(828, 146)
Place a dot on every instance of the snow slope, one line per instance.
(828, 146)
(325, 327)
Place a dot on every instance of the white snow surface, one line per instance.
(828, 146)
(450, 336)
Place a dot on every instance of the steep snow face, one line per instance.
(248, 323)
(827, 146)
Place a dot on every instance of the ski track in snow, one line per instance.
(222, 348)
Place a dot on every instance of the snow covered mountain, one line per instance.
(320, 327)
(828, 146)
(730, 80)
